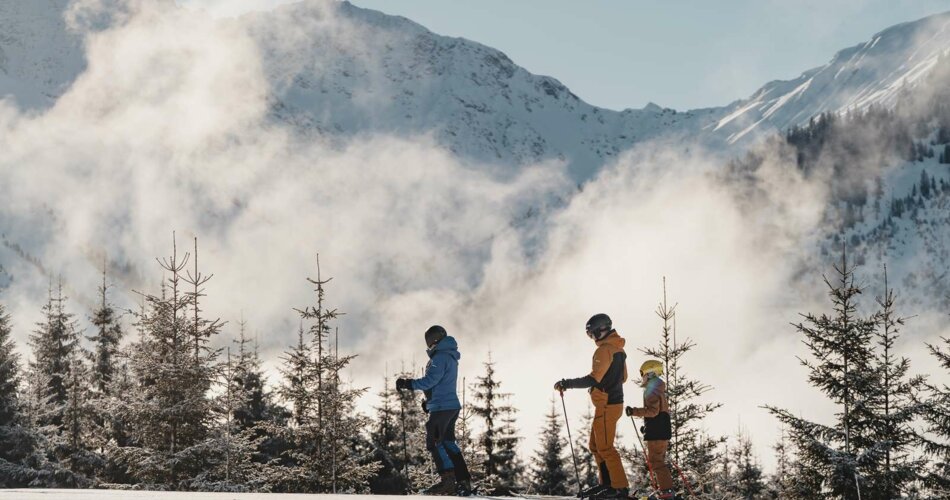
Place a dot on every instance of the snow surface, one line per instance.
(43, 494)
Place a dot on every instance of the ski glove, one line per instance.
(425, 406)
(575, 383)
(629, 411)
(404, 384)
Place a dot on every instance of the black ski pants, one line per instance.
(440, 441)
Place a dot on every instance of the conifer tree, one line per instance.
(254, 402)
(935, 413)
(468, 442)
(295, 388)
(106, 341)
(231, 465)
(894, 409)
(106, 424)
(844, 454)
(690, 447)
(17, 441)
(549, 472)
(55, 341)
(386, 439)
(79, 421)
(747, 480)
(780, 481)
(411, 464)
(498, 441)
(326, 452)
(173, 369)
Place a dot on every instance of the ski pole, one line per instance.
(683, 478)
(405, 446)
(570, 440)
(645, 457)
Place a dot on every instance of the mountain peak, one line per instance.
(866, 74)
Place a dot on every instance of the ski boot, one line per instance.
(590, 492)
(446, 486)
(464, 488)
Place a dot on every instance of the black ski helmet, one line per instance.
(598, 326)
(434, 334)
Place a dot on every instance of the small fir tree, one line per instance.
(549, 469)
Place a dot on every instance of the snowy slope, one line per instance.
(914, 242)
(337, 70)
(39, 56)
(871, 73)
(364, 71)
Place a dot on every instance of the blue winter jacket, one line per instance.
(441, 376)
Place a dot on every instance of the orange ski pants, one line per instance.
(656, 454)
(602, 433)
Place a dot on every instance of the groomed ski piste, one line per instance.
(92, 494)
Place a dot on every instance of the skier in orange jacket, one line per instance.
(605, 384)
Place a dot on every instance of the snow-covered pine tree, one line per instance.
(549, 472)
(231, 465)
(468, 442)
(351, 463)
(847, 453)
(386, 439)
(62, 409)
(415, 461)
(106, 341)
(702, 465)
(690, 448)
(511, 469)
(258, 412)
(119, 422)
(254, 402)
(894, 410)
(327, 450)
(17, 440)
(79, 421)
(173, 369)
(747, 481)
(498, 441)
(296, 386)
(104, 359)
(935, 414)
(779, 484)
(54, 342)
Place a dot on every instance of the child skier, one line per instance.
(442, 405)
(605, 384)
(656, 430)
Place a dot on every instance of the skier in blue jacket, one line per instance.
(442, 404)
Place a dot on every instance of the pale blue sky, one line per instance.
(677, 53)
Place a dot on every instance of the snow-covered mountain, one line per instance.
(871, 73)
(39, 55)
(347, 71)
